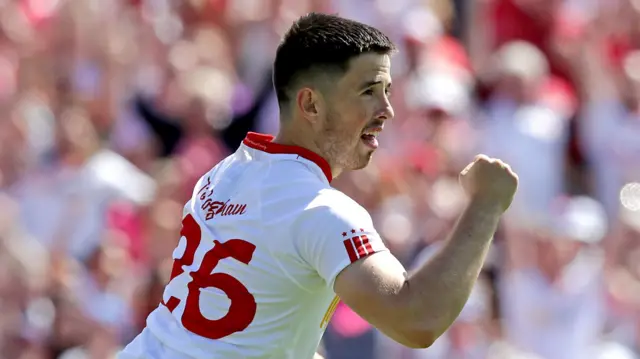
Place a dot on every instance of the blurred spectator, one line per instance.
(553, 297)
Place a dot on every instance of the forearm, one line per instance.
(435, 294)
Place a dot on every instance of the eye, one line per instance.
(388, 90)
(368, 92)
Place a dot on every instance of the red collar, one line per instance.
(265, 143)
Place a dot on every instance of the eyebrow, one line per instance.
(373, 83)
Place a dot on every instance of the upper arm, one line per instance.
(347, 252)
(334, 232)
(373, 288)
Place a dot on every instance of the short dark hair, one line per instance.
(322, 41)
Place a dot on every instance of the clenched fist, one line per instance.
(490, 181)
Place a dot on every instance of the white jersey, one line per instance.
(263, 238)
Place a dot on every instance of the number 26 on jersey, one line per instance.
(243, 305)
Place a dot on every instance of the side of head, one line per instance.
(332, 79)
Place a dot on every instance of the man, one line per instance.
(268, 248)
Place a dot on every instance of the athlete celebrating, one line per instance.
(268, 247)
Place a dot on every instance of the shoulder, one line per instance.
(332, 201)
(331, 208)
(295, 172)
(292, 185)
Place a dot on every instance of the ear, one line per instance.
(307, 102)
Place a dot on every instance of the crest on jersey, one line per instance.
(357, 246)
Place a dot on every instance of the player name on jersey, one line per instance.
(215, 208)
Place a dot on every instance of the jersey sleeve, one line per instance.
(334, 234)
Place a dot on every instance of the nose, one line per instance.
(386, 110)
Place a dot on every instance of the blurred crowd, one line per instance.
(113, 109)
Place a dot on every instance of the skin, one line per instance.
(329, 116)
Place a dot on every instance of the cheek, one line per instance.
(359, 115)
(347, 119)
(353, 128)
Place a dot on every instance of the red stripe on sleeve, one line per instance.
(348, 245)
(367, 245)
(359, 246)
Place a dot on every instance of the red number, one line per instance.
(243, 305)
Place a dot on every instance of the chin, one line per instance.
(361, 162)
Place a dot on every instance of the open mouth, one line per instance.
(370, 137)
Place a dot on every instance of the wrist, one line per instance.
(485, 205)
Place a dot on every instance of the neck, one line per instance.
(290, 136)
